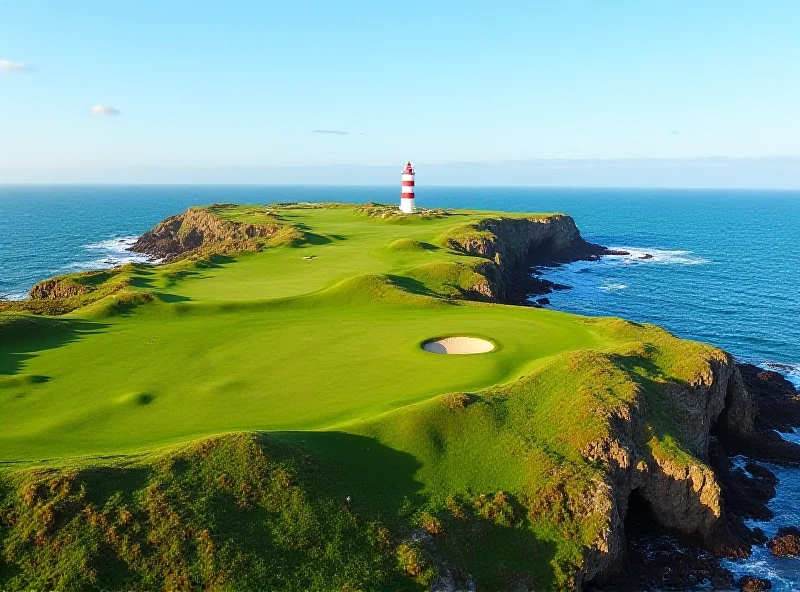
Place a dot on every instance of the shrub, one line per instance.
(431, 524)
(413, 560)
(456, 401)
(498, 508)
(455, 508)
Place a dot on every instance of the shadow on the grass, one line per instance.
(28, 336)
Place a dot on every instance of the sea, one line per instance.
(720, 266)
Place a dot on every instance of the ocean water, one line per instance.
(725, 265)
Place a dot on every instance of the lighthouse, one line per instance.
(407, 205)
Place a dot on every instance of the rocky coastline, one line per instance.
(662, 551)
(516, 247)
(663, 558)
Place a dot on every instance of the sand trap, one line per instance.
(458, 345)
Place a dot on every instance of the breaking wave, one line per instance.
(663, 256)
(13, 295)
(110, 253)
(613, 287)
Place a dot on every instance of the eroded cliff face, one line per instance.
(57, 288)
(199, 228)
(683, 492)
(512, 246)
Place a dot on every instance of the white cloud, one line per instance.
(104, 110)
(332, 132)
(9, 66)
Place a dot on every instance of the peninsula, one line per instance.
(330, 396)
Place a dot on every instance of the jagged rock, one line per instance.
(512, 246)
(786, 543)
(55, 289)
(778, 400)
(685, 498)
(751, 584)
(660, 561)
(747, 492)
(777, 407)
(199, 227)
(760, 472)
(759, 537)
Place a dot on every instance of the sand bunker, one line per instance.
(458, 345)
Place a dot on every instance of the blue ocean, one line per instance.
(725, 265)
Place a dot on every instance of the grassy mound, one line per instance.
(409, 244)
(393, 214)
(268, 518)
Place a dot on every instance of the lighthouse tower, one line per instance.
(407, 205)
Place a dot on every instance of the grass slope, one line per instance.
(315, 348)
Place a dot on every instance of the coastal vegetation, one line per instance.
(257, 412)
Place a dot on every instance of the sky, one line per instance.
(664, 92)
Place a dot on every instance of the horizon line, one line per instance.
(393, 186)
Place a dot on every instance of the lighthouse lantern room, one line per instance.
(407, 205)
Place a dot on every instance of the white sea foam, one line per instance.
(790, 371)
(13, 295)
(739, 462)
(112, 252)
(793, 436)
(613, 287)
(119, 244)
(793, 374)
(663, 256)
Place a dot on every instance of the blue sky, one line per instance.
(249, 85)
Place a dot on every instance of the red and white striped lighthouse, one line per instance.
(407, 205)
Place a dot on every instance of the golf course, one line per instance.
(332, 397)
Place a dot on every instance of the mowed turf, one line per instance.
(345, 245)
(270, 341)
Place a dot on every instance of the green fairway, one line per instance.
(266, 341)
(308, 339)
(180, 371)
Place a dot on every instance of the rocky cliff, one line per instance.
(207, 230)
(512, 246)
(682, 491)
(704, 499)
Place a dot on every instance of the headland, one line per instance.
(258, 412)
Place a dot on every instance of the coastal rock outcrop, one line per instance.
(204, 228)
(56, 288)
(683, 494)
(513, 245)
(730, 407)
(774, 403)
(779, 402)
(751, 584)
(786, 543)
